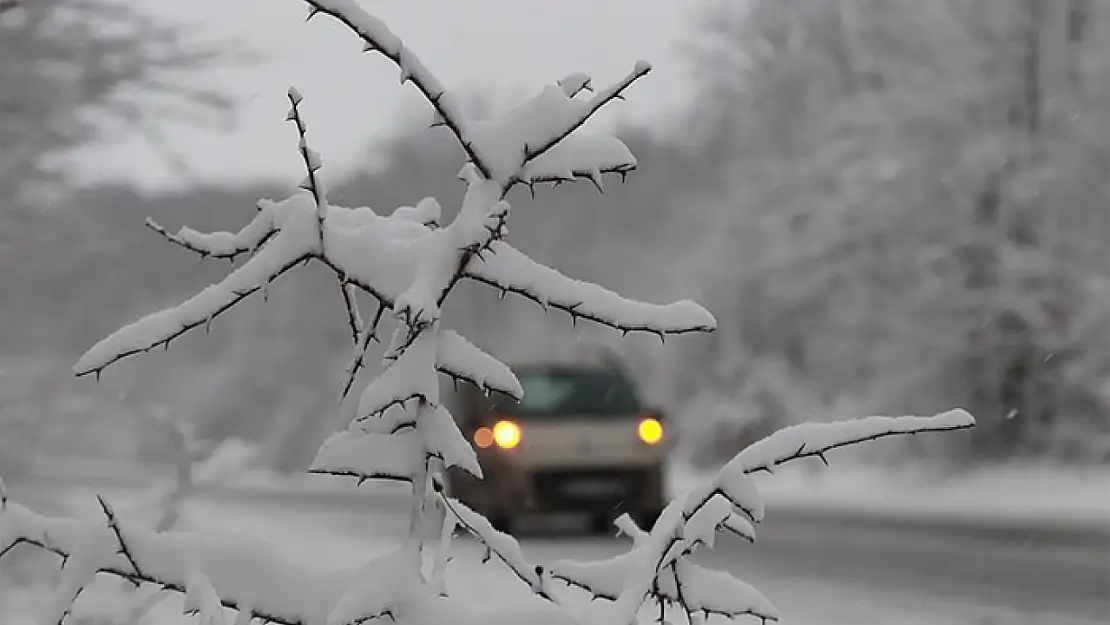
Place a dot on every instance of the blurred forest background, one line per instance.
(891, 206)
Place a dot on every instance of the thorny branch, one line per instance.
(592, 106)
(368, 334)
(312, 162)
(354, 318)
(378, 38)
(43, 540)
(534, 577)
(665, 544)
(113, 524)
(165, 343)
(206, 252)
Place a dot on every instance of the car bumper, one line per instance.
(542, 490)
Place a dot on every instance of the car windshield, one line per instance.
(555, 392)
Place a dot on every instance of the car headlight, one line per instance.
(506, 434)
(650, 431)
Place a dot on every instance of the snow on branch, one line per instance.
(224, 244)
(390, 447)
(377, 37)
(504, 546)
(215, 572)
(297, 241)
(729, 502)
(462, 360)
(503, 148)
(240, 572)
(533, 142)
(562, 116)
(400, 431)
(312, 160)
(366, 456)
(480, 222)
(411, 377)
(568, 161)
(807, 440)
(510, 270)
(695, 588)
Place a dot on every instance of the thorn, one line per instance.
(312, 11)
(821, 455)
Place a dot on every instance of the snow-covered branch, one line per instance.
(295, 242)
(511, 271)
(312, 160)
(241, 572)
(400, 430)
(566, 115)
(507, 149)
(504, 546)
(808, 440)
(377, 37)
(730, 501)
(222, 244)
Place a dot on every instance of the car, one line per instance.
(579, 441)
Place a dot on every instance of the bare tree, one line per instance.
(73, 69)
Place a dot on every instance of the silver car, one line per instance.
(579, 441)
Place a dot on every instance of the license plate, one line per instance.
(593, 488)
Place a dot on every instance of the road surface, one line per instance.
(817, 570)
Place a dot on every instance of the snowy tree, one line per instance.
(916, 208)
(73, 72)
(74, 69)
(408, 262)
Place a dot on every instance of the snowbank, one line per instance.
(1028, 496)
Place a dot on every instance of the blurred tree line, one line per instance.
(890, 205)
(918, 212)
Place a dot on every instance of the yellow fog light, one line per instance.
(483, 437)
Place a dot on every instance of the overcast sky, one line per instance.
(504, 49)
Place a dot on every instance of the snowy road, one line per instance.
(830, 574)
(818, 571)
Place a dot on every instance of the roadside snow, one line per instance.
(1041, 495)
(337, 538)
(1030, 495)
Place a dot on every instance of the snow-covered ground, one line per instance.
(333, 536)
(1041, 495)
(1033, 495)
